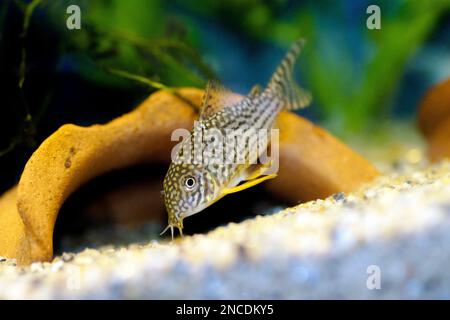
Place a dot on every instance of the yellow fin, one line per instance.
(257, 170)
(246, 185)
(249, 184)
(252, 175)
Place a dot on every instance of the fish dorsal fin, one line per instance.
(216, 98)
(283, 85)
(255, 91)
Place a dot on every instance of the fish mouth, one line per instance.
(172, 226)
(178, 223)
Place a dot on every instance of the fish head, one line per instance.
(188, 189)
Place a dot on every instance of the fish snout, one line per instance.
(174, 222)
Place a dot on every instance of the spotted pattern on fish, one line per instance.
(191, 187)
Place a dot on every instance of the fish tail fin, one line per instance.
(283, 85)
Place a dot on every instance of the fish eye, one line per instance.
(190, 182)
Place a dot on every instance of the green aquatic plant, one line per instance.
(353, 72)
(138, 36)
(149, 83)
(135, 36)
(28, 127)
(353, 94)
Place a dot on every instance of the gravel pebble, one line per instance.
(398, 226)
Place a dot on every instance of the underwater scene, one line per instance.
(209, 150)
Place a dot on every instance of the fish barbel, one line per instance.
(199, 174)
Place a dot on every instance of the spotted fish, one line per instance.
(191, 183)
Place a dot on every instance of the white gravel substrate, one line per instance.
(322, 249)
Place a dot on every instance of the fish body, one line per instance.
(219, 156)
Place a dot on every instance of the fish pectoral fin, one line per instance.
(257, 171)
(258, 178)
(223, 194)
(249, 184)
